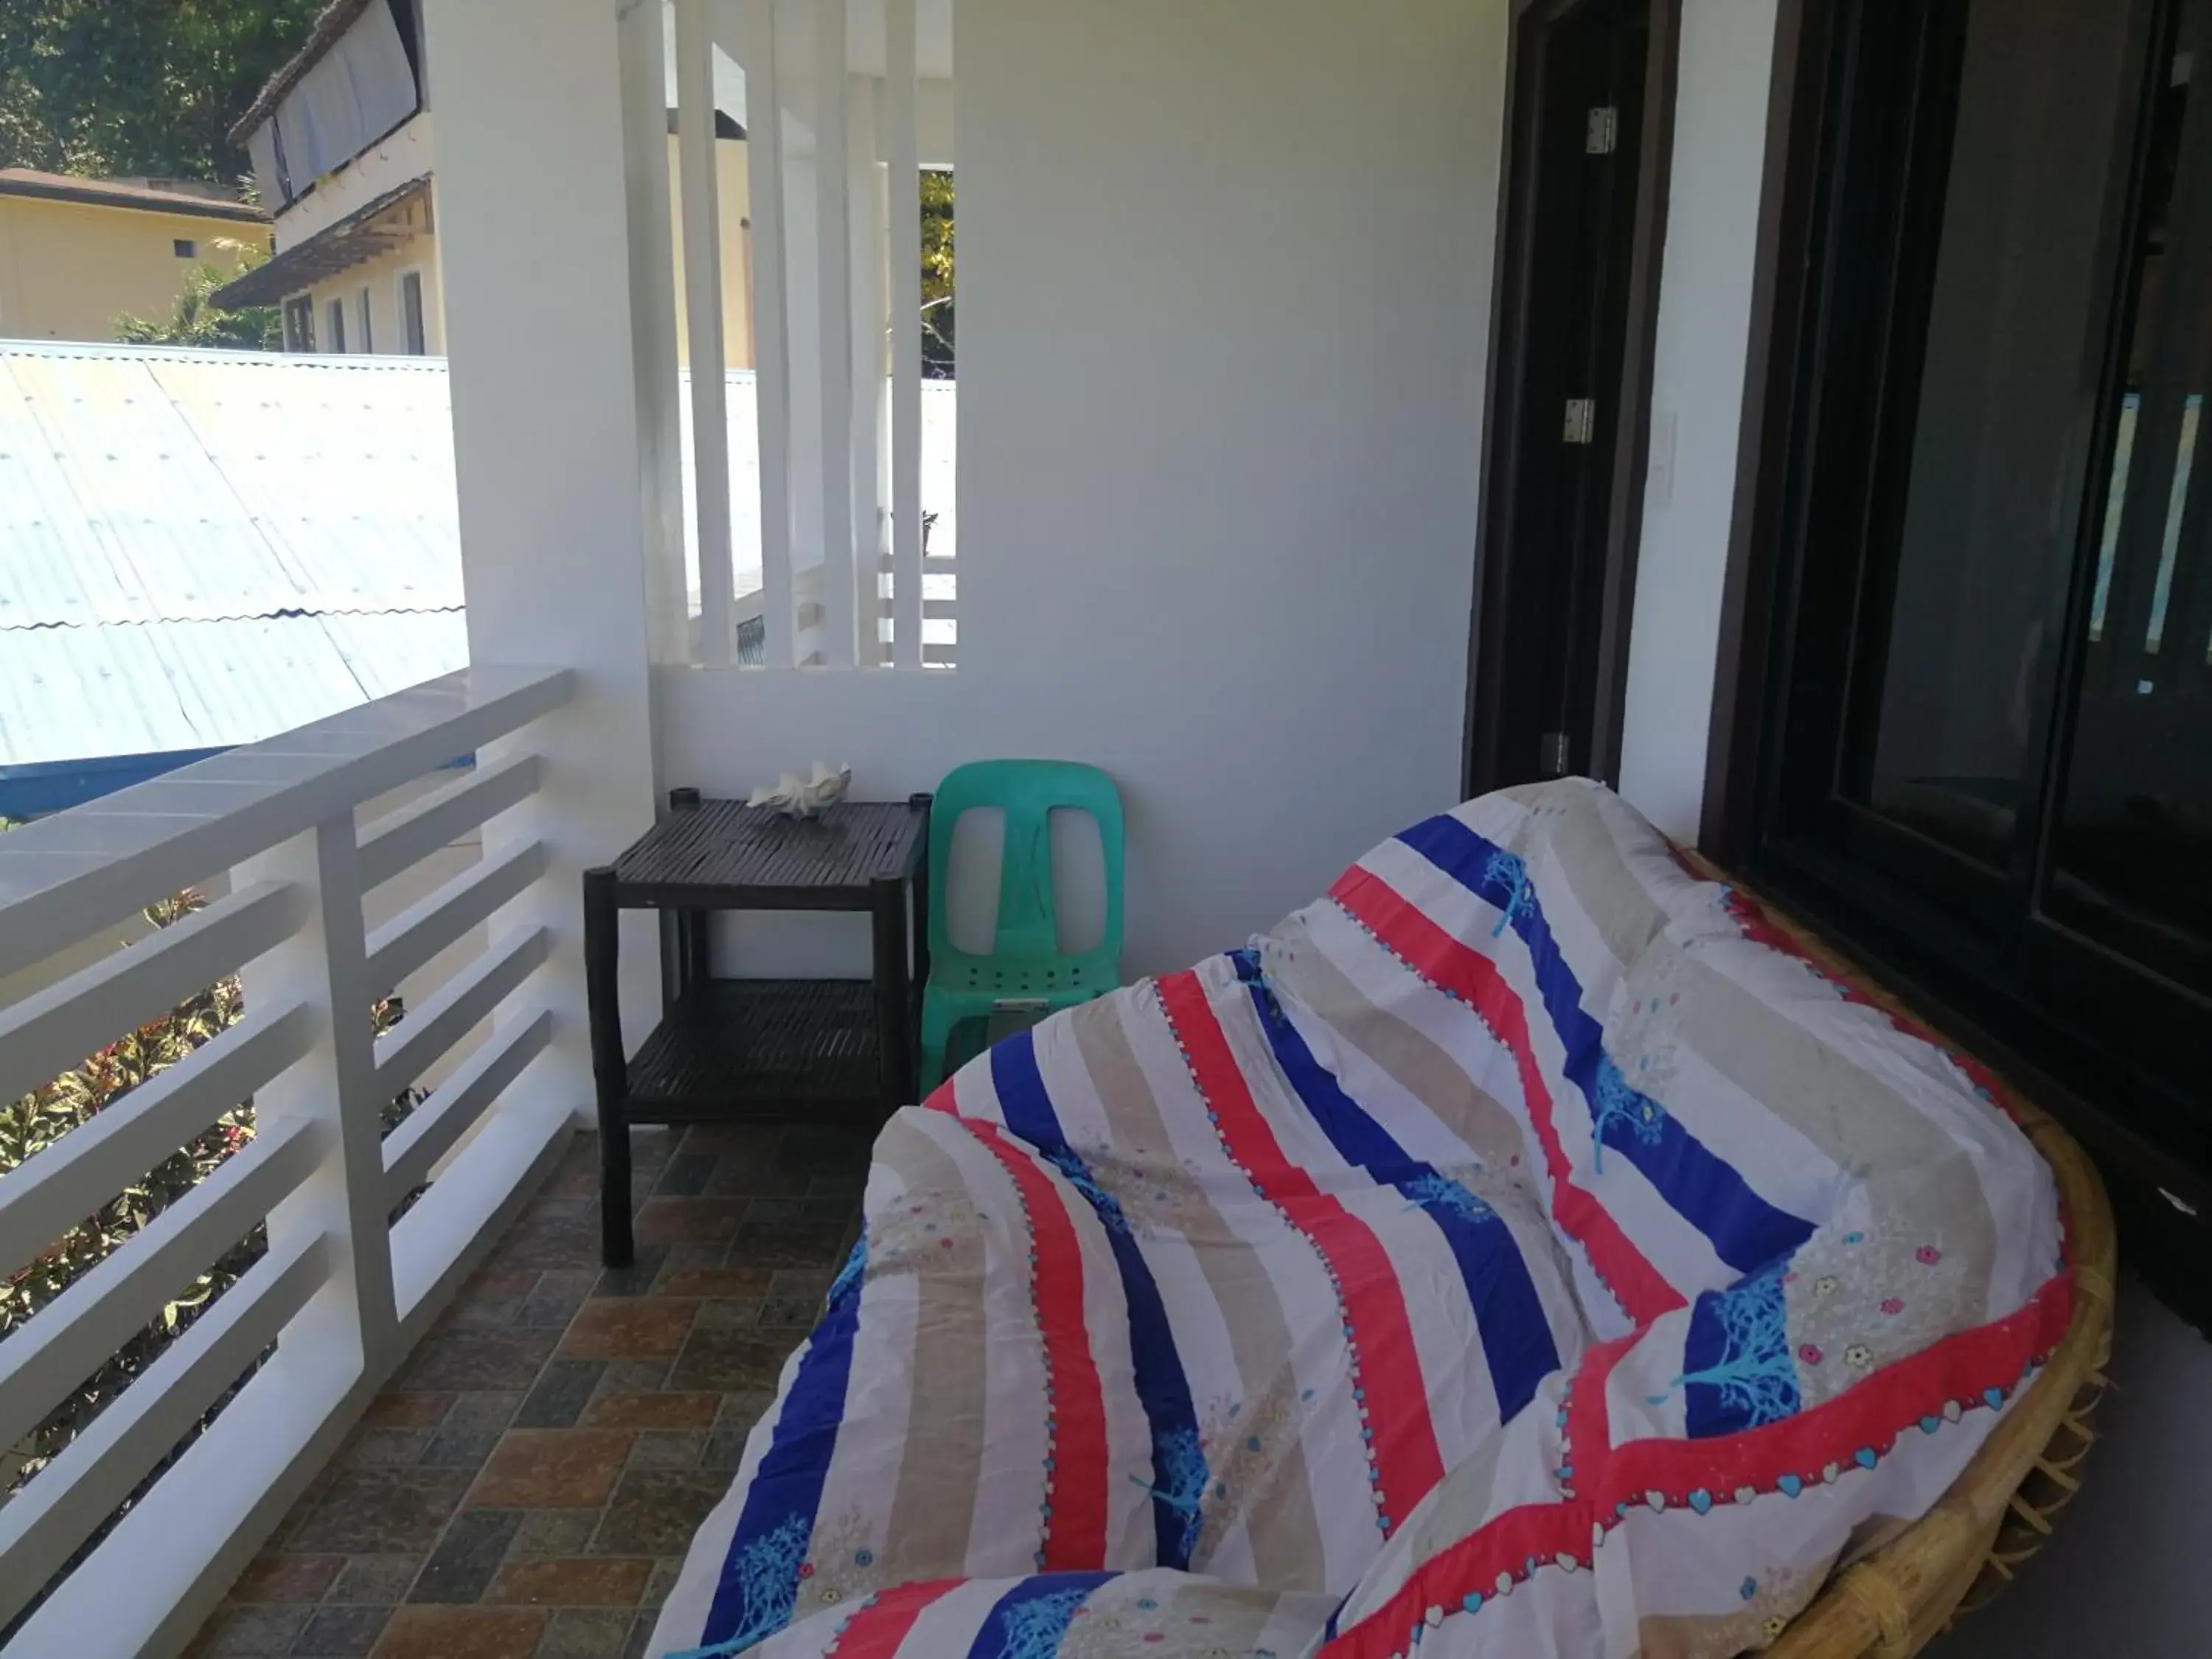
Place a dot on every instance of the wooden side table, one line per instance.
(727, 1048)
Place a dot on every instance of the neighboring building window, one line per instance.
(299, 323)
(184, 248)
(368, 329)
(335, 310)
(1985, 733)
(412, 338)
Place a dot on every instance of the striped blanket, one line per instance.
(1518, 1252)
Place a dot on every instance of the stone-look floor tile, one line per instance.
(668, 1449)
(558, 1295)
(741, 1409)
(789, 1244)
(254, 1632)
(756, 1138)
(725, 1313)
(820, 1148)
(725, 1450)
(450, 1360)
(487, 1286)
(694, 1220)
(479, 1316)
(664, 1571)
(572, 1582)
(451, 1449)
(640, 1637)
(420, 1632)
(778, 1212)
(686, 1175)
(592, 1633)
(374, 1579)
(474, 1543)
(628, 1327)
(636, 1278)
(476, 1413)
(552, 1469)
(563, 1390)
(655, 1511)
(286, 1579)
(735, 1282)
(553, 1532)
(553, 1232)
(385, 1448)
(731, 1361)
(381, 1511)
(342, 1632)
(796, 1297)
(654, 1411)
(634, 1376)
(406, 1411)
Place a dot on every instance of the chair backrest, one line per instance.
(1027, 791)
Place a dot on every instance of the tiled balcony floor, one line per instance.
(526, 1486)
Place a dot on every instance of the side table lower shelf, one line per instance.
(731, 1047)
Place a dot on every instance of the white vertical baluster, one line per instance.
(702, 304)
(903, 148)
(772, 353)
(866, 194)
(353, 1322)
(833, 227)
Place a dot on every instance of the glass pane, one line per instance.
(1987, 532)
(2132, 848)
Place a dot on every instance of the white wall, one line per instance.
(1224, 287)
(1697, 400)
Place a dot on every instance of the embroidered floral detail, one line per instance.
(1753, 1374)
(1507, 871)
(1859, 1354)
(1032, 1630)
(1070, 1164)
(1620, 1102)
(1928, 1255)
(855, 1268)
(1810, 1353)
(1892, 1305)
(1440, 1193)
(1825, 1286)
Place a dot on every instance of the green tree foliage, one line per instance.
(129, 87)
(196, 321)
(937, 284)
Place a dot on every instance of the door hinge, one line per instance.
(1603, 133)
(1553, 754)
(1581, 427)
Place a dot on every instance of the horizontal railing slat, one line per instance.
(420, 932)
(433, 1127)
(44, 1524)
(82, 1328)
(407, 836)
(53, 1030)
(445, 1017)
(41, 1200)
(50, 898)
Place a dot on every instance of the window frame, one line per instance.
(1992, 959)
(415, 330)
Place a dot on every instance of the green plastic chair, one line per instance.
(1026, 968)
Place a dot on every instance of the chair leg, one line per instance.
(938, 1018)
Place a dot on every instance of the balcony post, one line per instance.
(560, 447)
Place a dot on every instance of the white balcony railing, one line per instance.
(341, 1291)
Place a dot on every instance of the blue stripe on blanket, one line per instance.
(1031, 1619)
(759, 1584)
(1516, 1339)
(1745, 1230)
(1179, 1469)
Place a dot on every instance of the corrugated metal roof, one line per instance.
(199, 549)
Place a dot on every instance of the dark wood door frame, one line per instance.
(1512, 287)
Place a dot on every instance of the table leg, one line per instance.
(610, 1073)
(887, 904)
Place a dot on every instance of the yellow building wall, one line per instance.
(69, 269)
(381, 276)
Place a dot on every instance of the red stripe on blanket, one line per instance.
(1870, 1417)
(877, 1628)
(1075, 1532)
(1405, 1446)
(1445, 962)
(1873, 1417)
